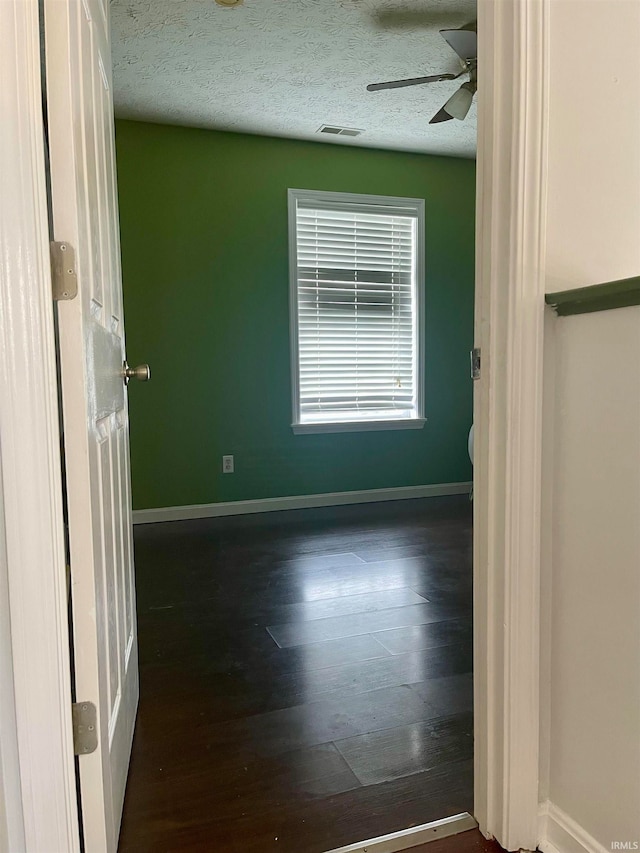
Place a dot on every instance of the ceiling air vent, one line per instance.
(339, 131)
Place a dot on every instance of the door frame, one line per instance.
(512, 109)
(509, 316)
(30, 458)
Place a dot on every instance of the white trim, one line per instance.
(512, 114)
(359, 426)
(416, 206)
(405, 839)
(30, 442)
(560, 833)
(293, 305)
(386, 203)
(214, 510)
(11, 817)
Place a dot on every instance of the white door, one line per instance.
(94, 401)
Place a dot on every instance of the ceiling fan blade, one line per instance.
(464, 42)
(412, 81)
(441, 115)
(458, 104)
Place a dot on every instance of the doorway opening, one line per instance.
(304, 582)
(505, 710)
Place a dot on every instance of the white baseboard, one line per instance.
(183, 513)
(560, 833)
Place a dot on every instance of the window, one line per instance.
(357, 266)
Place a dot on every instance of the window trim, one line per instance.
(318, 196)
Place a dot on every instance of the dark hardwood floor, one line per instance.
(305, 678)
(466, 842)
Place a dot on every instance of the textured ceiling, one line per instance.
(285, 67)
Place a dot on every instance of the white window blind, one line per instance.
(356, 267)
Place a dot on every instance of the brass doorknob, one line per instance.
(142, 373)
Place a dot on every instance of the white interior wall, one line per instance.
(590, 667)
(594, 675)
(594, 140)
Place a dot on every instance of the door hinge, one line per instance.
(63, 271)
(475, 363)
(85, 727)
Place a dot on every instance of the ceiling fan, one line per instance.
(465, 43)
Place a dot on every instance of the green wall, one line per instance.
(204, 250)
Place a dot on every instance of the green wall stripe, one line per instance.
(597, 297)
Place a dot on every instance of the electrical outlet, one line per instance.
(227, 464)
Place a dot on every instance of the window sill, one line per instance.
(359, 426)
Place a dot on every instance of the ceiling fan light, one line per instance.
(464, 41)
(459, 103)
